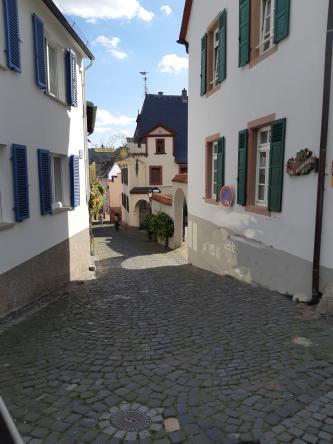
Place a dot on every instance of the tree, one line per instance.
(96, 200)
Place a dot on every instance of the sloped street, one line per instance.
(151, 339)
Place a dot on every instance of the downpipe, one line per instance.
(316, 294)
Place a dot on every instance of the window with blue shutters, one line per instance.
(20, 181)
(75, 180)
(45, 181)
(13, 42)
(71, 77)
(39, 49)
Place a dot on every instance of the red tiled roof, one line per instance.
(165, 198)
(181, 178)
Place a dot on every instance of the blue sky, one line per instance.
(126, 37)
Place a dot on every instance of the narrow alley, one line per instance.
(155, 350)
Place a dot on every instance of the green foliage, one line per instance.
(96, 200)
(159, 226)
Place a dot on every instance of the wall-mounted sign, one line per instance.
(302, 164)
(226, 196)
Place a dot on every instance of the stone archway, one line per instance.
(142, 209)
(180, 221)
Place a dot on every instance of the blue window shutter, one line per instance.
(71, 77)
(20, 178)
(12, 35)
(45, 181)
(39, 47)
(75, 180)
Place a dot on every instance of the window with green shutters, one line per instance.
(220, 166)
(244, 32)
(262, 25)
(222, 47)
(242, 166)
(204, 65)
(276, 169)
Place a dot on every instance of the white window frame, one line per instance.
(48, 44)
(6, 189)
(216, 44)
(64, 204)
(263, 148)
(269, 38)
(214, 170)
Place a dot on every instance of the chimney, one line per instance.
(160, 93)
(184, 96)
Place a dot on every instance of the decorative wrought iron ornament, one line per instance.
(302, 164)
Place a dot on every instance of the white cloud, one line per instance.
(111, 45)
(106, 9)
(172, 63)
(105, 119)
(166, 9)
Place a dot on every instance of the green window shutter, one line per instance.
(242, 166)
(222, 67)
(276, 169)
(244, 32)
(281, 20)
(204, 65)
(220, 167)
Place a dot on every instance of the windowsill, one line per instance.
(6, 225)
(56, 99)
(61, 210)
(160, 154)
(3, 67)
(254, 61)
(213, 89)
(258, 210)
(211, 201)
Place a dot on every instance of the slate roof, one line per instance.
(169, 111)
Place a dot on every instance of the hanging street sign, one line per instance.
(302, 164)
(226, 196)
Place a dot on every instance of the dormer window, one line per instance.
(160, 146)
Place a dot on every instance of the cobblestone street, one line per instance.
(111, 359)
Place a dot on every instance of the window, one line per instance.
(267, 25)
(215, 153)
(60, 181)
(52, 69)
(6, 187)
(215, 57)
(214, 54)
(214, 170)
(262, 25)
(155, 175)
(262, 166)
(160, 146)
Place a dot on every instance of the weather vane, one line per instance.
(145, 78)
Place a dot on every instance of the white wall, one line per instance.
(30, 117)
(167, 160)
(288, 83)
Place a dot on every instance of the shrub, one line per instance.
(96, 200)
(159, 226)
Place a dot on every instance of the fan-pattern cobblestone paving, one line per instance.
(231, 362)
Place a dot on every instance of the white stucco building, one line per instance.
(44, 223)
(255, 100)
(156, 155)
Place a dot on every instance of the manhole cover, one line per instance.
(131, 421)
